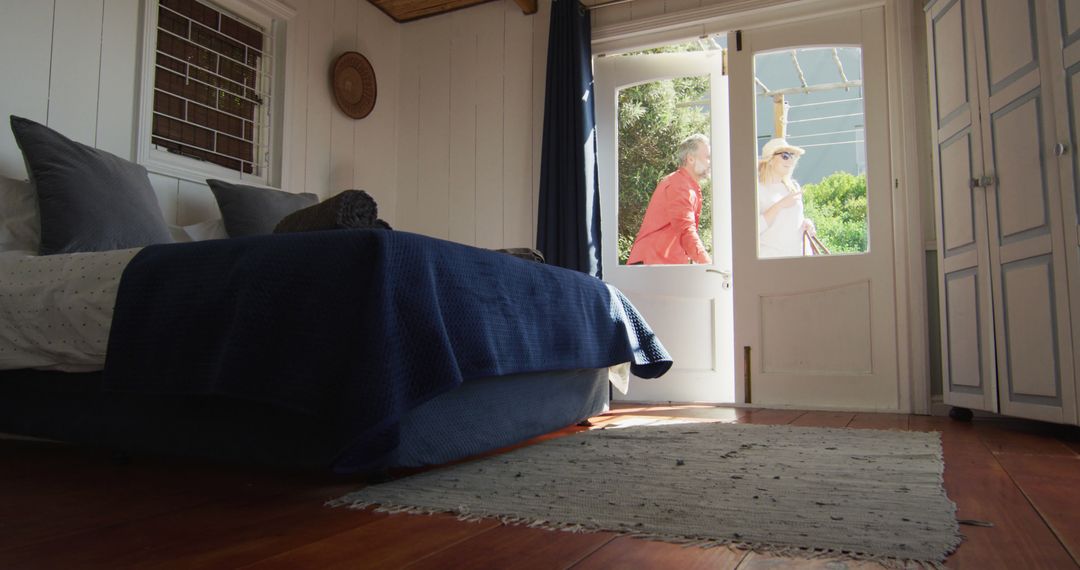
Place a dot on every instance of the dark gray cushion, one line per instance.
(252, 211)
(89, 200)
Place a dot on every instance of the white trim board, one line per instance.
(731, 15)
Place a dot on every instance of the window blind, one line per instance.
(212, 86)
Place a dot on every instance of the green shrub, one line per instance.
(837, 205)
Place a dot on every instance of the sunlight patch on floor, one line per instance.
(637, 421)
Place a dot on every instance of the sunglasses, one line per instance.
(785, 155)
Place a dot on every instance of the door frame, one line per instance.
(908, 115)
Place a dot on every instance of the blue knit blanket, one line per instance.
(358, 326)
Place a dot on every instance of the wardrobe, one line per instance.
(1004, 84)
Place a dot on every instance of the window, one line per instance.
(211, 89)
(812, 151)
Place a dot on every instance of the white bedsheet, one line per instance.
(55, 310)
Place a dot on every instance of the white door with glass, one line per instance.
(645, 106)
(813, 330)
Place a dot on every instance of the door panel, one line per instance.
(842, 331)
(688, 306)
(821, 330)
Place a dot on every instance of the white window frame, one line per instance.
(272, 16)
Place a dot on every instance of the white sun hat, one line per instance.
(779, 145)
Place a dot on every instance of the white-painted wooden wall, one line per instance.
(72, 64)
(470, 119)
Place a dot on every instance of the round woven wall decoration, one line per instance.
(354, 84)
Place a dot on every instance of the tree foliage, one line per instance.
(837, 205)
(653, 119)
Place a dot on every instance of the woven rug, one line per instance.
(793, 491)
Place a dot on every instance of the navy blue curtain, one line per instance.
(568, 228)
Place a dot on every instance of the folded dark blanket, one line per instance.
(355, 327)
(351, 209)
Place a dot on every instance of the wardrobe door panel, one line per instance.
(957, 206)
(968, 365)
(1021, 183)
(950, 64)
(1070, 20)
(1030, 374)
(1011, 42)
(963, 258)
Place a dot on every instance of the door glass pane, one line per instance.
(811, 152)
(655, 119)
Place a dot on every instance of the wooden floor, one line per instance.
(64, 507)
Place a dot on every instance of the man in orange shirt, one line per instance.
(669, 232)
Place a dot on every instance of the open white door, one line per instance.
(816, 332)
(689, 306)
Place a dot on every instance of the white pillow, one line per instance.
(20, 226)
(210, 229)
(179, 234)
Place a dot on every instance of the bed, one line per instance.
(344, 349)
(351, 350)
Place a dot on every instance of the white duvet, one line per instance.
(55, 310)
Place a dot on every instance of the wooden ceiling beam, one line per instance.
(527, 6)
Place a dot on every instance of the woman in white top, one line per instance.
(780, 222)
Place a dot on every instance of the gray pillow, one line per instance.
(88, 199)
(252, 211)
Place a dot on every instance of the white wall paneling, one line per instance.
(195, 203)
(491, 132)
(375, 152)
(518, 208)
(469, 124)
(407, 199)
(76, 62)
(541, 28)
(464, 116)
(167, 189)
(25, 53)
(342, 127)
(319, 98)
(116, 86)
(294, 170)
(433, 148)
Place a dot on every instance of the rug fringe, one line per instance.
(463, 513)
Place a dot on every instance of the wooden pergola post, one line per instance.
(780, 110)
